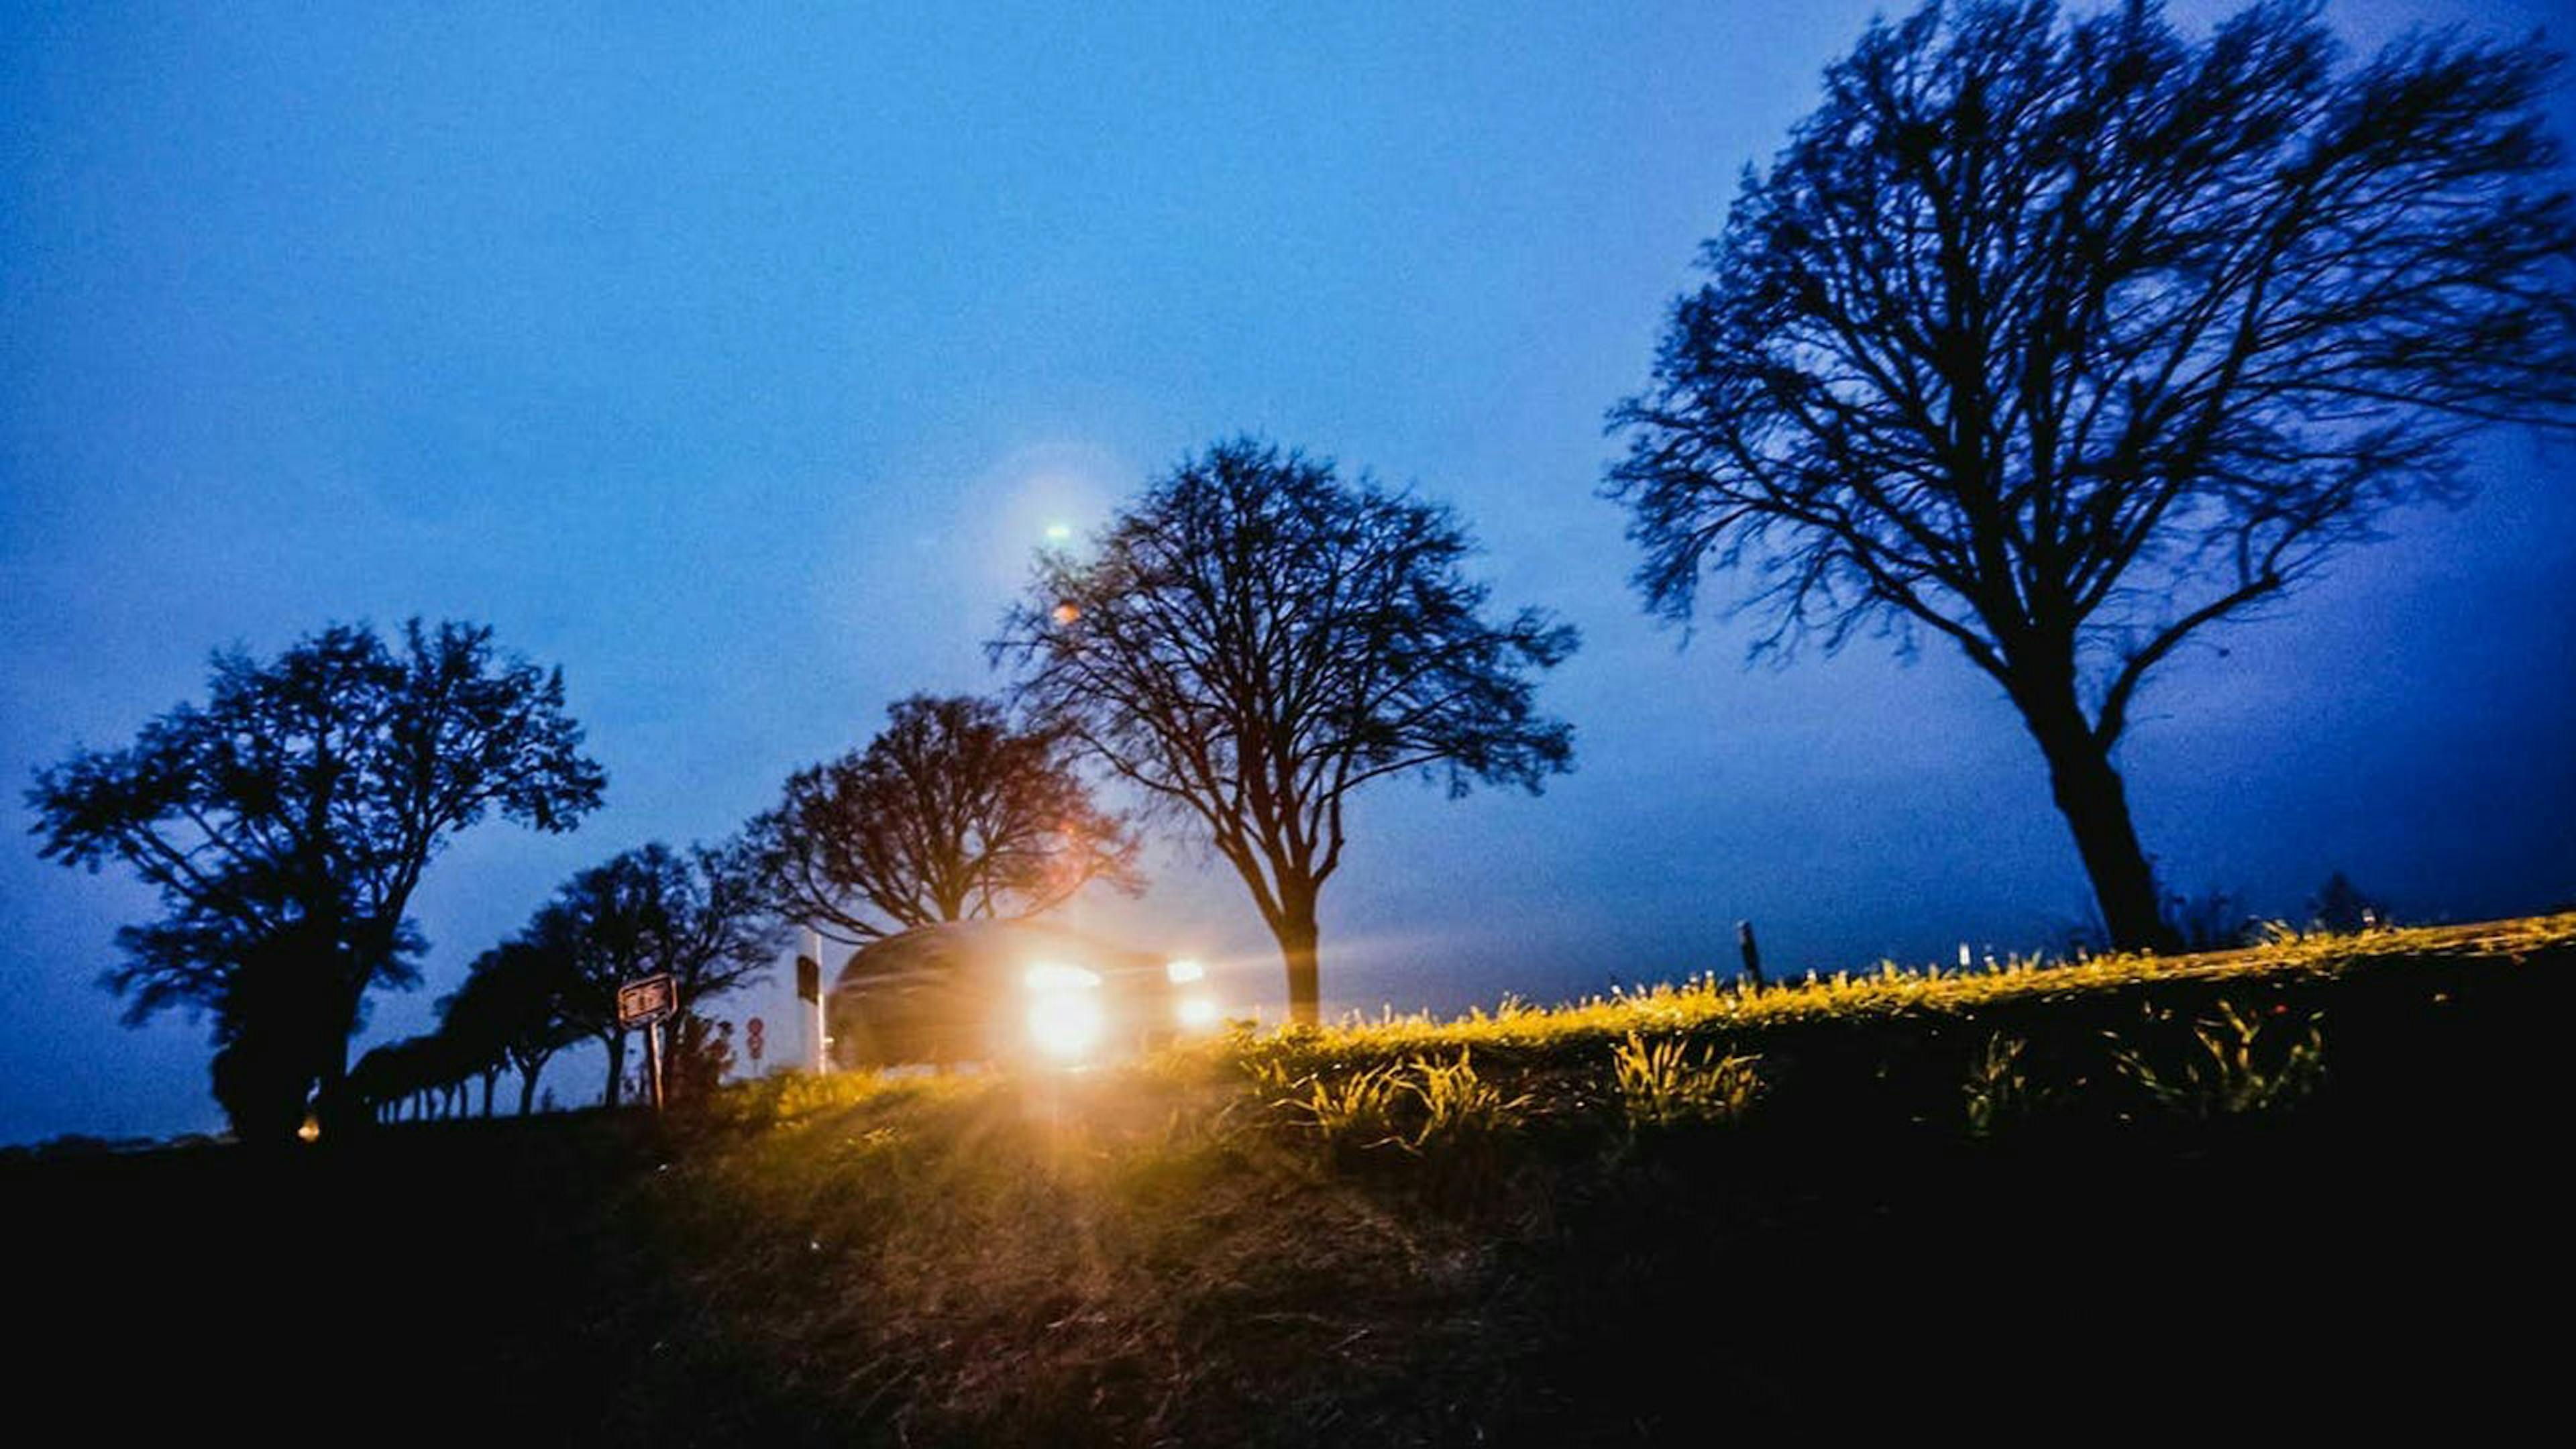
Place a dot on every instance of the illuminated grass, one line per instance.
(1664, 1084)
(1998, 1089)
(1665, 1054)
(1706, 1006)
(1354, 1109)
(2241, 1064)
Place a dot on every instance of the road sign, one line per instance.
(647, 999)
(751, 1038)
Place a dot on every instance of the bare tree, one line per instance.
(1254, 639)
(2064, 339)
(950, 813)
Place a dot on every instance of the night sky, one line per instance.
(736, 362)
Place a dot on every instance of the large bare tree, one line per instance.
(951, 813)
(1254, 638)
(2064, 338)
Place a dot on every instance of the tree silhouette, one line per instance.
(701, 915)
(286, 823)
(426, 1072)
(2342, 907)
(2063, 339)
(1254, 639)
(510, 1010)
(950, 813)
(697, 1056)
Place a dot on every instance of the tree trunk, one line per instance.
(331, 1053)
(2090, 795)
(1297, 936)
(528, 1088)
(616, 1041)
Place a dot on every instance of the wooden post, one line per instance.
(1752, 953)
(653, 1059)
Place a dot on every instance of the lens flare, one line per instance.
(1066, 1024)
(1066, 1019)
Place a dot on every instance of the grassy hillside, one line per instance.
(2284, 1189)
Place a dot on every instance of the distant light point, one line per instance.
(1059, 532)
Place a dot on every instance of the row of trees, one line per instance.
(2064, 340)
(1254, 640)
(700, 915)
(285, 824)
(951, 812)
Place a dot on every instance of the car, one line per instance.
(1009, 992)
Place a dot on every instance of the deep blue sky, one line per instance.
(735, 359)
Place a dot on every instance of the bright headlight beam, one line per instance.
(1066, 1019)
(1178, 972)
(1065, 1024)
(1196, 1012)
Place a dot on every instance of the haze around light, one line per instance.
(736, 359)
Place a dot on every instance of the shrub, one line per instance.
(1354, 1110)
(1662, 1083)
(1420, 1105)
(2236, 1064)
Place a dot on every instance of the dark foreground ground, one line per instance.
(2392, 1258)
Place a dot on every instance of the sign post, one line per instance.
(809, 987)
(648, 1001)
(751, 1034)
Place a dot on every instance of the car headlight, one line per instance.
(1066, 1019)
(1066, 1024)
(1197, 1013)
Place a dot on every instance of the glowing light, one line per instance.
(1179, 971)
(1197, 1013)
(1066, 1024)
(1059, 532)
(311, 1130)
(1066, 613)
